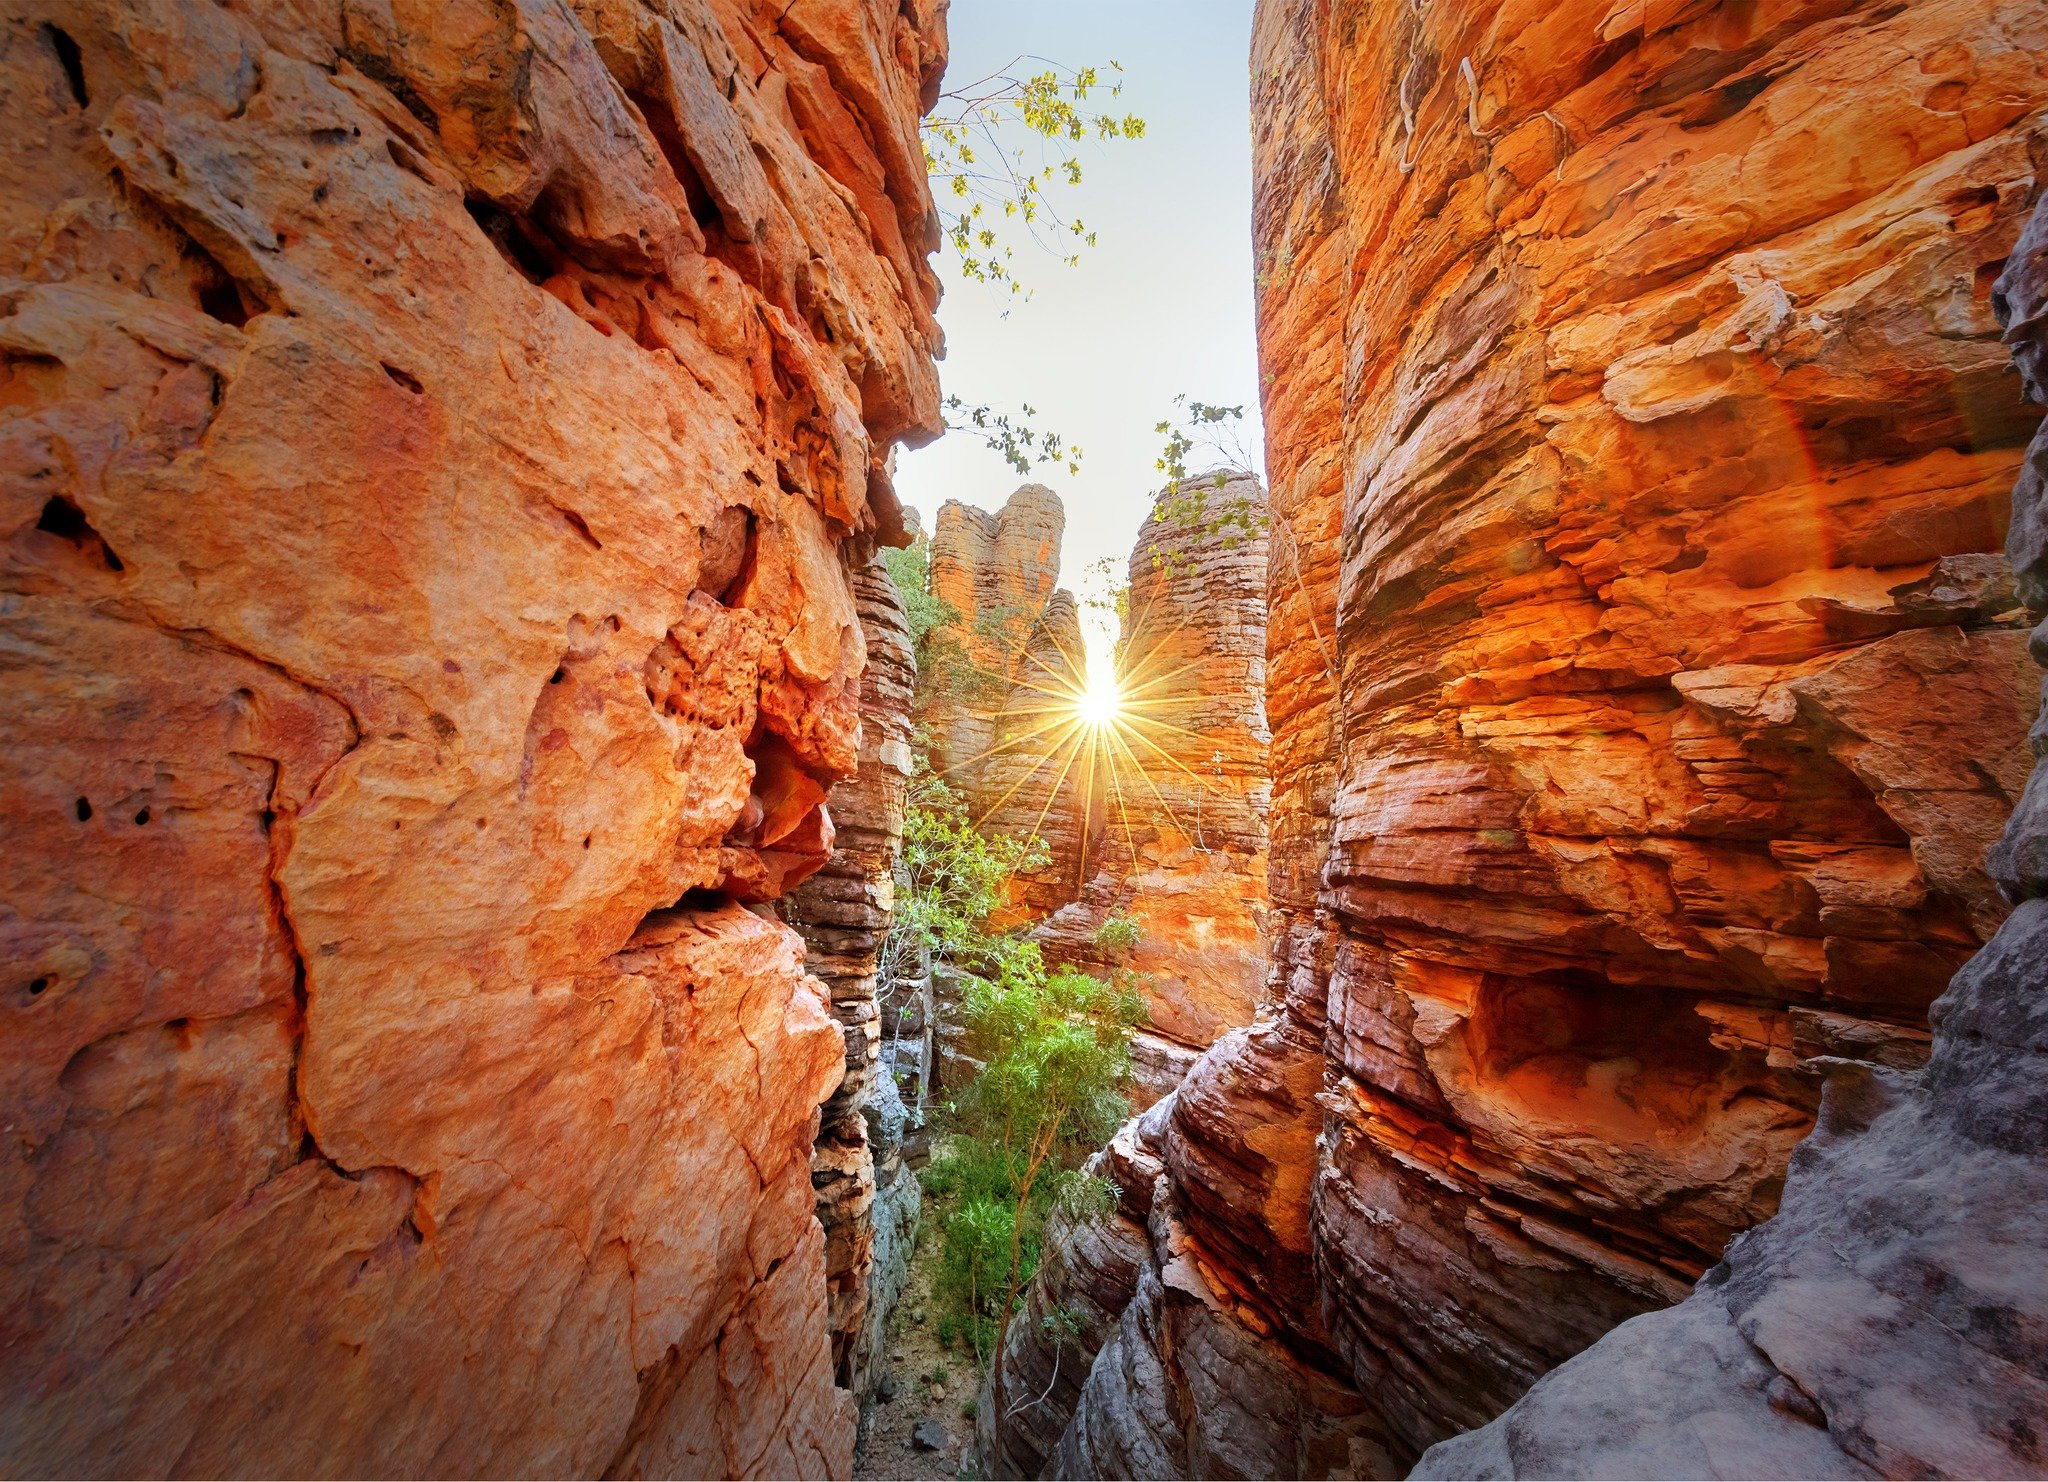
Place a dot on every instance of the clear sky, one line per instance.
(1161, 306)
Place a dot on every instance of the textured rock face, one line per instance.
(1639, 442)
(1888, 1320)
(1676, 436)
(867, 1200)
(1001, 729)
(436, 443)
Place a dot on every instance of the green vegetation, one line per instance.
(1118, 933)
(1187, 502)
(1055, 1051)
(1053, 1044)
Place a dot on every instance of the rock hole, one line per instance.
(586, 841)
(482, 823)
(558, 676)
(1725, 101)
(83, 809)
(668, 137)
(38, 986)
(403, 378)
(581, 526)
(727, 559)
(70, 59)
(1984, 289)
(221, 299)
(265, 819)
(65, 520)
(517, 241)
(142, 817)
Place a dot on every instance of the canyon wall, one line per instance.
(1645, 687)
(868, 1199)
(437, 444)
(1888, 1321)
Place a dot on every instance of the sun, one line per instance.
(1099, 704)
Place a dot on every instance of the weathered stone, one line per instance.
(1000, 721)
(437, 440)
(1181, 778)
(1888, 1321)
(867, 1201)
(1643, 684)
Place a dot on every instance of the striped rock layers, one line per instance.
(1180, 849)
(867, 1199)
(436, 446)
(999, 720)
(1887, 1321)
(1646, 687)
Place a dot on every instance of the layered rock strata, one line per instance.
(1887, 1321)
(1644, 682)
(1000, 721)
(1182, 778)
(436, 443)
(868, 1200)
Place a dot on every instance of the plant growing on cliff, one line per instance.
(950, 877)
(1054, 1045)
(995, 146)
(1188, 501)
(998, 150)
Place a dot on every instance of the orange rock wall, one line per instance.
(1644, 679)
(1683, 686)
(1179, 843)
(434, 444)
(1185, 831)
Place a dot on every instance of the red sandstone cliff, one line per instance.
(436, 442)
(1887, 1320)
(868, 1200)
(1645, 690)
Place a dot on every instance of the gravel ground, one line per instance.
(927, 1381)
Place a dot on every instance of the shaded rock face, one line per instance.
(436, 444)
(867, 1199)
(1644, 683)
(1001, 729)
(1888, 1320)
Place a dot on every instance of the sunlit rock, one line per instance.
(439, 440)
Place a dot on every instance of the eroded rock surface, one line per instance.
(436, 443)
(868, 1200)
(1639, 444)
(1888, 1320)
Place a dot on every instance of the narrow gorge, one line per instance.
(528, 859)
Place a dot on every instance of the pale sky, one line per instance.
(1161, 306)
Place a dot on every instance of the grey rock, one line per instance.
(929, 1435)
